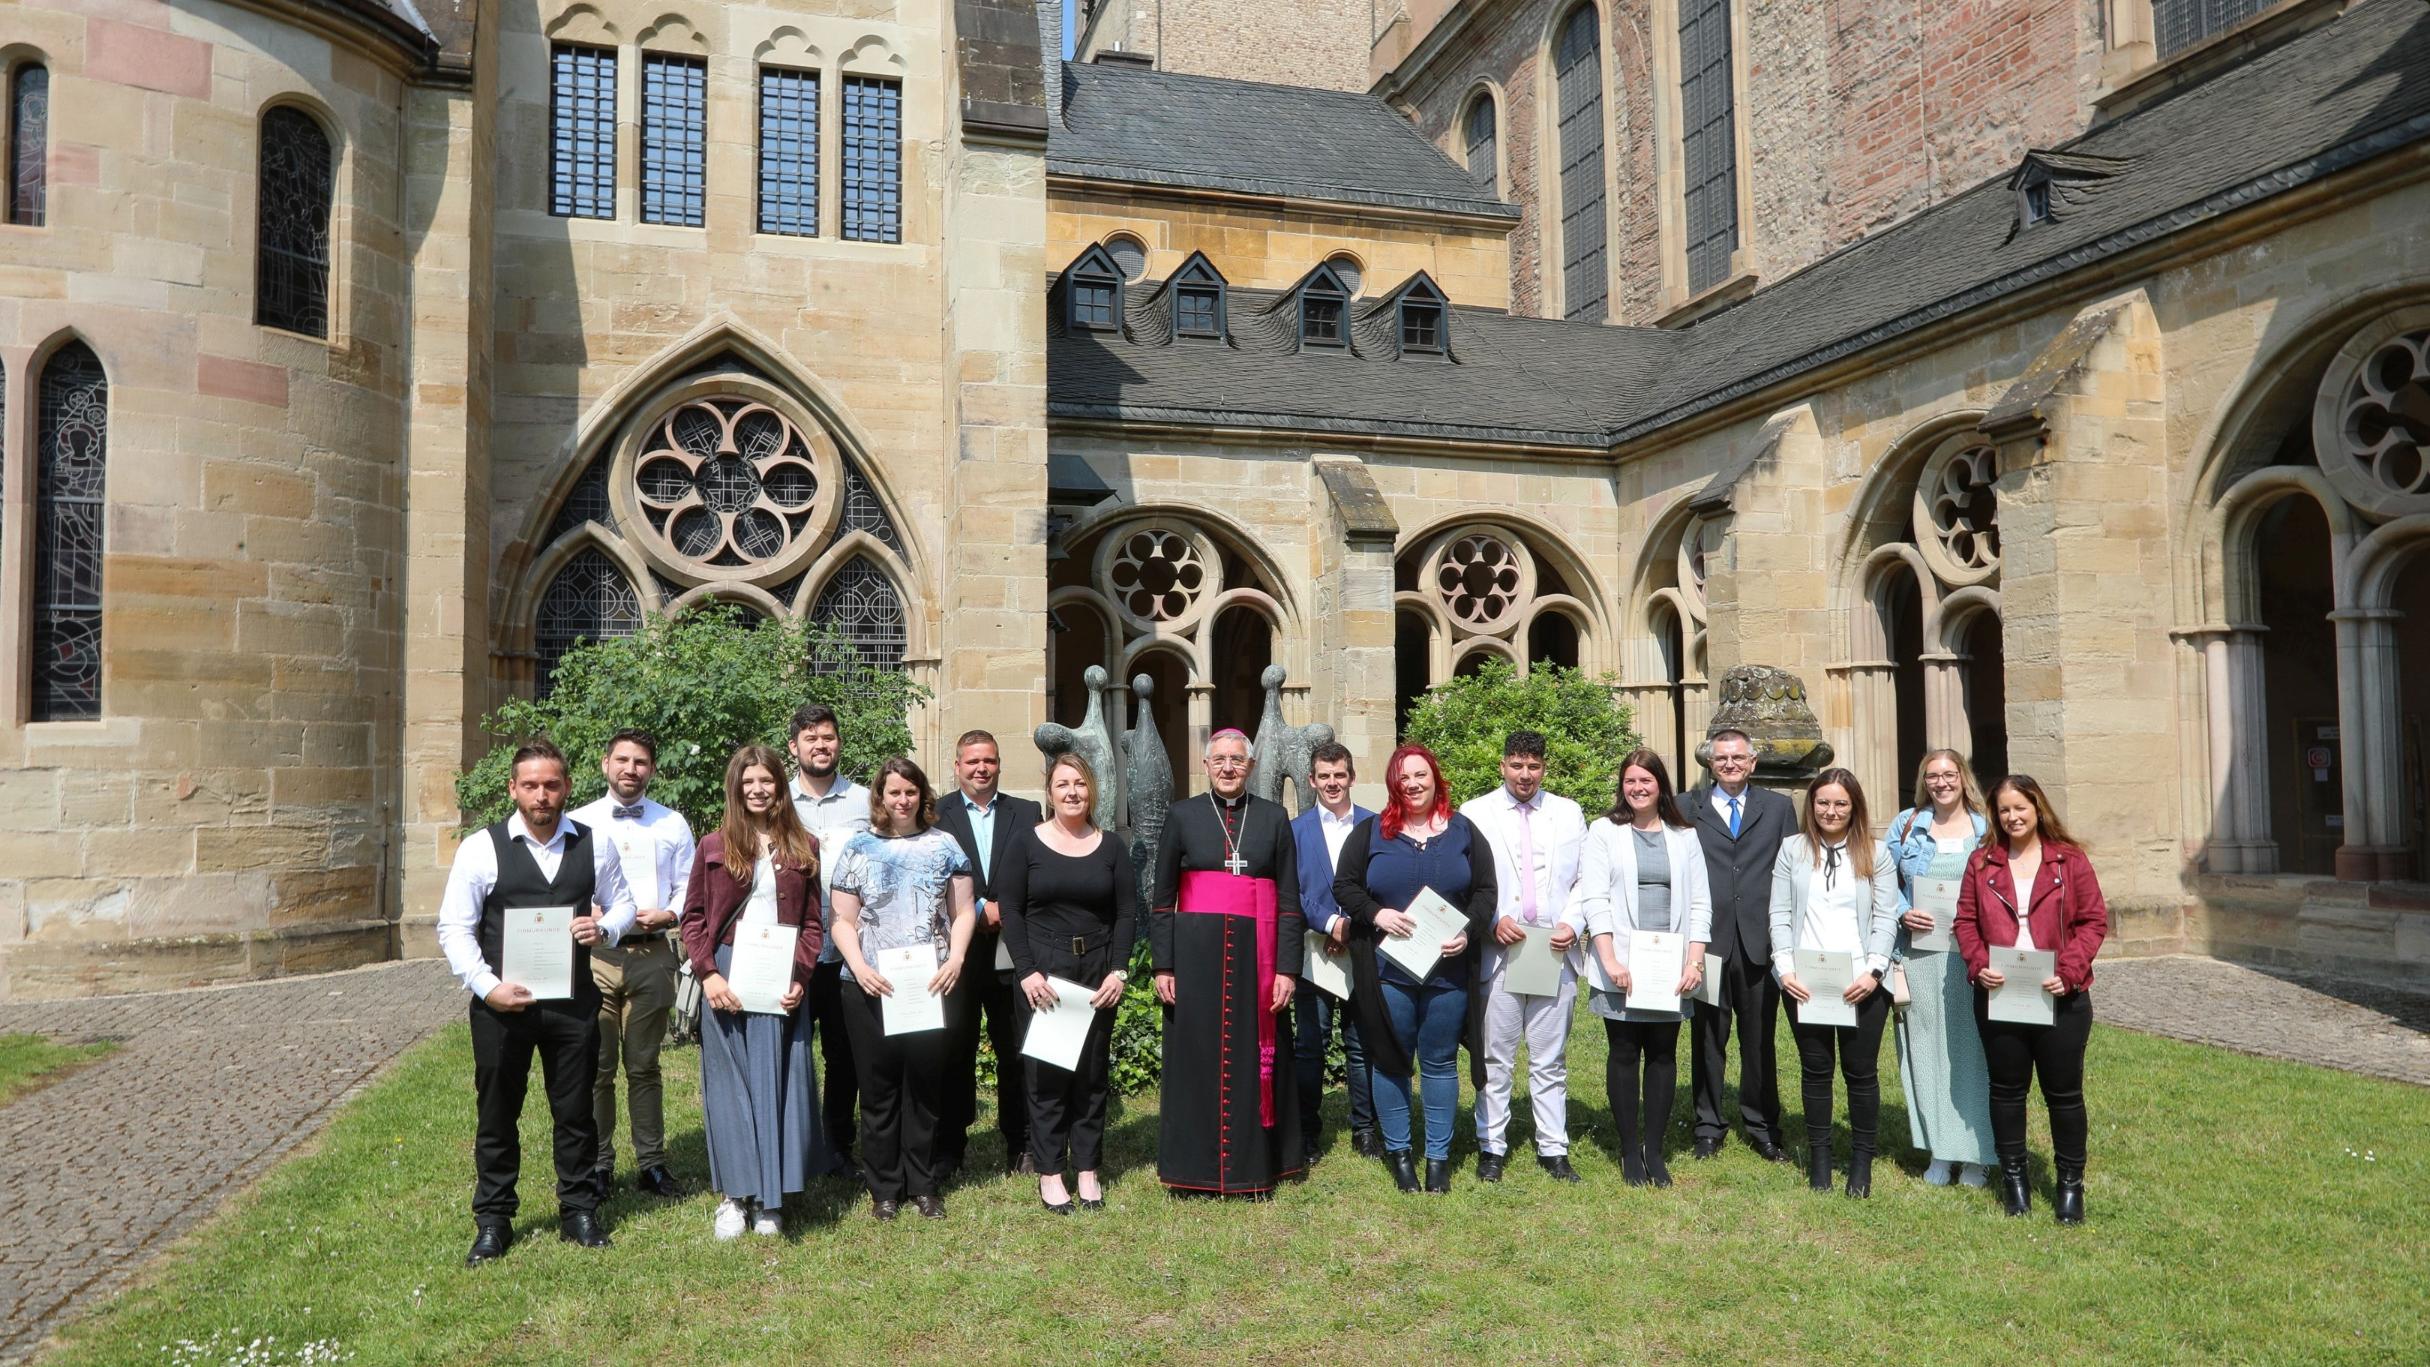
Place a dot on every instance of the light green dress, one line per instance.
(1940, 1053)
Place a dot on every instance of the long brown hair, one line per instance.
(1861, 844)
(924, 818)
(2047, 828)
(790, 841)
(1969, 796)
(1666, 802)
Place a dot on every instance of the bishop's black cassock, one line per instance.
(1230, 1113)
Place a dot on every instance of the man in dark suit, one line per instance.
(1741, 827)
(986, 822)
(1320, 831)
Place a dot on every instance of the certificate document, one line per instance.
(1656, 959)
(2019, 999)
(1004, 963)
(637, 857)
(912, 1008)
(1324, 972)
(1059, 1033)
(1826, 974)
(1709, 990)
(763, 966)
(1939, 897)
(538, 947)
(1437, 921)
(1532, 968)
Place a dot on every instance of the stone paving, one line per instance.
(100, 1171)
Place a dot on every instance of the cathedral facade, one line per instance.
(2055, 388)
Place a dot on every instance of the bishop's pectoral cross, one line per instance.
(1235, 865)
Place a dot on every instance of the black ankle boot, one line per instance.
(2067, 1203)
(1438, 1175)
(1818, 1164)
(1632, 1165)
(1656, 1171)
(2016, 1194)
(1860, 1175)
(1404, 1171)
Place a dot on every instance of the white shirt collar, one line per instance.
(1532, 804)
(1325, 816)
(516, 828)
(973, 803)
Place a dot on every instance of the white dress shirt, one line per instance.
(1555, 831)
(833, 820)
(1721, 805)
(475, 872)
(655, 851)
(1336, 831)
(1838, 907)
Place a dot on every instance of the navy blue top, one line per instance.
(1397, 868)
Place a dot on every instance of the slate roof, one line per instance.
(2340, 95)
(1146, 127)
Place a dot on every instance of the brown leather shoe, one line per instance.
(882, 1209)
(932, 1207)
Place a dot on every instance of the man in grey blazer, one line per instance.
(1741, 827)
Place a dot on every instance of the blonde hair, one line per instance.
(1970, 797)
(1070, 759)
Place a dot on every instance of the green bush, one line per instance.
(1586, 730)
(703, 682)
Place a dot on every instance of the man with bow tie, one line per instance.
(637, 978)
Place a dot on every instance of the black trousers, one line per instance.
(1067, 1108)
(566, 1037)
(902, 1090)
(984, 992)
(1860, 1051)
(827, 994)
(1640, 1078)
(1749, 995)
(2014, 1054)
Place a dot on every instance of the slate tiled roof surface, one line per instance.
(2349, 91)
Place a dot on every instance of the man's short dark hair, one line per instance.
(539, 748)
(1729, 732)
(1332, 752)
(633, 735)
(811, 714)
(971, 738)
(1523, 743)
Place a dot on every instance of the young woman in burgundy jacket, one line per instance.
(2065, 915)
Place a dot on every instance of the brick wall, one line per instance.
(1319, 43)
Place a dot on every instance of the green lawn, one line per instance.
(2242, 1210)
(28, 1062)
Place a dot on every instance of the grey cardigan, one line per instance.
(1789, 874)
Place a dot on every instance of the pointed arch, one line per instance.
(70, 507)
(862, 601)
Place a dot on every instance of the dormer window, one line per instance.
(1198, 299)
(1093, 291)
(2050, 184)
(1422, 316)
(2037, 203)
(1324, 309)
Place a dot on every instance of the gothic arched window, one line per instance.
(291, 262)
(1578, 70)
(1484, 166)
(29, 124)
(861, 605)
(589, 600)
(72, 431)
(1708, 140)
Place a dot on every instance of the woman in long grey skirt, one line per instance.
(1940, 1055)
(754, 889)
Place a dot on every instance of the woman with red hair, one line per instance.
(1416, 843)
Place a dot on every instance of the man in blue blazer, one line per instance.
(1741, 827)
(1320, 832)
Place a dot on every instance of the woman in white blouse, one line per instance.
(1835, 892)
(1642, 869)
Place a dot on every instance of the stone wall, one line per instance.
(1320, 43)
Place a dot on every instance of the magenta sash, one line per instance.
(1208, 892)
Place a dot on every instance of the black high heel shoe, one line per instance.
(2067, 1203)
(2016, 1193)
(1404, 1169)
(1818, 1164)
(1438, 1176)
(1053, 1209)
(1860, 1175)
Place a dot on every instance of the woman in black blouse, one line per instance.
(1070, 905)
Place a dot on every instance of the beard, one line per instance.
(817, 770)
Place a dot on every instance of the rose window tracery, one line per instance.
(1160, 576)
(1481, 580)
(727, 482)
(2385, 422)
(1956, 511)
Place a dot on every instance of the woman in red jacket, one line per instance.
(756, 879)
(2059, 911)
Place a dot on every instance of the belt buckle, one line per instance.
(1079, 944)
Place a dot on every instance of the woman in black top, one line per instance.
(1070, 904)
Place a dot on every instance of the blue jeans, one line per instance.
(1312, 1017)
(1428, 1022)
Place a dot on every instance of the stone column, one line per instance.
(1871, 729)
(1947, 724)
(1357, 643)
(2370, 738)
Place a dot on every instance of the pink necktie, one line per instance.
(1527, 863)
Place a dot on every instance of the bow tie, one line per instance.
(632, 813)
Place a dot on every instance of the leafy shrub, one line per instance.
(1586, 730)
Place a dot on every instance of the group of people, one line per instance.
(905, 926)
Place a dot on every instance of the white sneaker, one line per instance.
(768, 1220)
(732, 1216)
(1974, 1175)
(1938, 1173)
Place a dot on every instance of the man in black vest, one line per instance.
(1741, 827)
(986, 823)
(534, 859)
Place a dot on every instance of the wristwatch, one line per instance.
(1879, 974)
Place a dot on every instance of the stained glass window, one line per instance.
(582, 132)
(29, 124)
(291, 259)
(72, 433)
(788, 152)
(1578, 64)
(2180, 24)
(589, 600)
(861, 604)
(674, 139)
(1709, 140)
(873, 160)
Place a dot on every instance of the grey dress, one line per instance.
(1653, 913)
(759, 1093)
(1940, 1054)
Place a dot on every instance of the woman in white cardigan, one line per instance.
(1835, 890)
(1642, 868)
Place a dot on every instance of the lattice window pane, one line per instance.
(291, 260)
(1320, 319)
(1484, 149)
(1092, 303)
(864, 511)
(582, 132)
(2180, 24)
(1200, 314)
(873, 160)
(861, 604)
(788, 152)
(1579, 68)
(589, 600)
(1421, 327)
(72, 435)
(29, 126)
(1710, 140)
(674, 139)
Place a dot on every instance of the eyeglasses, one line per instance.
(1733, 759)
(1226, 762)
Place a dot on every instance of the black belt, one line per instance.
(1082, 944)
(643, 940)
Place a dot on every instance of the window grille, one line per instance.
(291, 255)
(1320, 319)
(2180, 24)
(1093, 303)
(1483, 148)
(72, 458)
(1200, 311)
(674, 139)
(861, 604)
(582, 132)
(1709, 140)
(1421, 327)
(873, 160)
(788, 152)
(29, 124)
(589, 600)
(1578, 68)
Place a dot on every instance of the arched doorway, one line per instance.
(2295, 589)
(1241, 648)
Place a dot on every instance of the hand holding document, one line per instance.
(1937, 897)
(1059, 1033)
(763, 967)
(1827, 976)
(1323, 971)
(1532, 968)
(537, 947)
(1656, 961)
(1709, 990)
(2020, 999)
(910, 1008)
(1438, 922)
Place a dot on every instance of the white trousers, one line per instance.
(1542, 1023)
